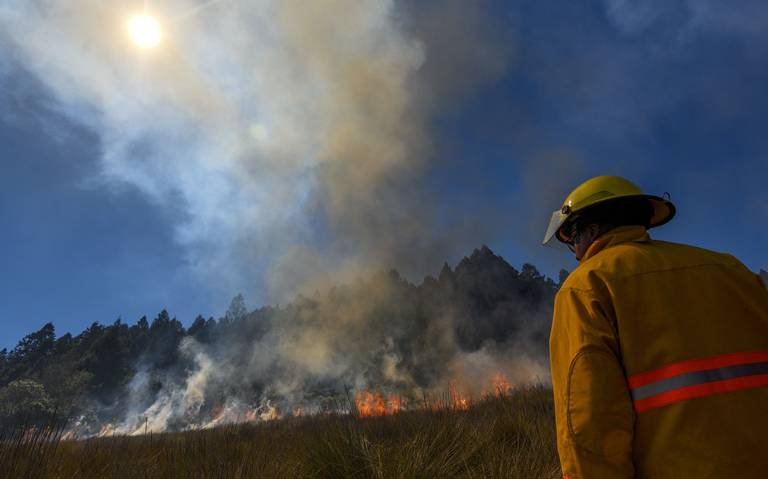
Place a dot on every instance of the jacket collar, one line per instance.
(622, 234)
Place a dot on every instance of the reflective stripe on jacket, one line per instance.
(659, 356)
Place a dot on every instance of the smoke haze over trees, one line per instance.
(271, 146)
(381, 333)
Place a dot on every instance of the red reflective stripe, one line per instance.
(637, 380)
(701, 390)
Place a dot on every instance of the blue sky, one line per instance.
(670, 94)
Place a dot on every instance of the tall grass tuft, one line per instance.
(25, 450)
(501, 436)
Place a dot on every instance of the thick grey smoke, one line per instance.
(468, 332)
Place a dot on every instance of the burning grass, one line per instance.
(509, 434)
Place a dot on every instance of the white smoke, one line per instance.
(252, 121)
(174, 402)
(178, 405)
(285, 137)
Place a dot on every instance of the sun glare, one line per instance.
(144, 31)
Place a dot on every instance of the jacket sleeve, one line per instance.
(593, 409)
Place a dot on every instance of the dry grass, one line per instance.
(510, 436)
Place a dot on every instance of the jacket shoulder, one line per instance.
(629, 259)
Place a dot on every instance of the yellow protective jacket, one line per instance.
(659, 356)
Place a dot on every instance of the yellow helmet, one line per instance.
(601, 190)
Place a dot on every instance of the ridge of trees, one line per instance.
(46, 374)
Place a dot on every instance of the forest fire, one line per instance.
(267, 412)
(188, 380)
(376, 404)
(457, 400)
(239, 413)
(369, 404)
(501, 385)
(251, 415)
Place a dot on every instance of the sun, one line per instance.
(145, 31)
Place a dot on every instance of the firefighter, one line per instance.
(659, 351)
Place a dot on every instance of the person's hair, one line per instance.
(619, 212)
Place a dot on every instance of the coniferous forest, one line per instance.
(382, 333)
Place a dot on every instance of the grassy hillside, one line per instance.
(510, 436)
(430, 334)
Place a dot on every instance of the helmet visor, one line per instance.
(550, 237)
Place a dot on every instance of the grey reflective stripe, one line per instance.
(698, 377)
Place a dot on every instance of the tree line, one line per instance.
(64, 376)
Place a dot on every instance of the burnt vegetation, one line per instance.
(368, 328)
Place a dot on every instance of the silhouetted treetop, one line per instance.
(482, 300)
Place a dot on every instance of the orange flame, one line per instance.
(395, 404)
(367, 404)
(458, 401)
(270, 414)
(251, 415)
(375, 404)
(501, 385)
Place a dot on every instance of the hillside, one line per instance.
(503, 436)
(382, 336)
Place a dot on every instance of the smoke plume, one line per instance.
(480, 328)
(288, 139)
